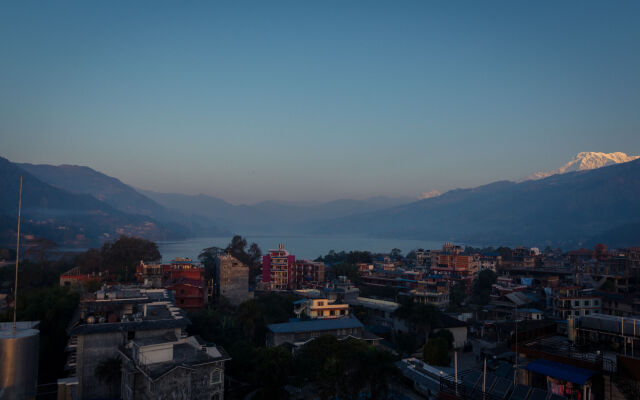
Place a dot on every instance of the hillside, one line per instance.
(566, 209)
(68, 218)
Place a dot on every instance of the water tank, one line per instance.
(18, 361)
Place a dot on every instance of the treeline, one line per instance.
(119, 258)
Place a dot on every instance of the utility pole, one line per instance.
(515, 372)
(15, 290)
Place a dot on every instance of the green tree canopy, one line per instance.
(436, 352)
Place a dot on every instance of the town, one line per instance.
(449, 323)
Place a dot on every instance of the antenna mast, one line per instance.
(15, 290)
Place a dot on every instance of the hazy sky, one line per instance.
(321, 100)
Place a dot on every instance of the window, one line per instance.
(181, 291)
(215, 377)
(576, 303)
(181, 301)
(587, 303)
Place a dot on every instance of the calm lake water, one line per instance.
(304, 247)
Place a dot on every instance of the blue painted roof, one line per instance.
(529, 310)
(560, 371)
(315, 325)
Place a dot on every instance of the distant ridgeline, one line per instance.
(77, 206)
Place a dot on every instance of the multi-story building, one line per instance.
(232, 279)
(574, 301)
(523, 257)
(277, 268)
(320, 309)
(74, 277)
(491, 261)
(455, 266)
(307, 274)
(190, 294)
(281, 271)
(145, 327)
(432, 290)
(172, 368)
(183, 276)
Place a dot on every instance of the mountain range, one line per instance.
(568, 210)
(78, 206)
(585, 161)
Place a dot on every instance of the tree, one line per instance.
(208, 258)
(436, 352)
(122, 256)
(481, 290)
(273, 366)
(396, 254)
(345, 369)
(53, 307)
(458, 294)
(421, 317)
(348, 270)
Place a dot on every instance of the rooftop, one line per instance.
(315, 325)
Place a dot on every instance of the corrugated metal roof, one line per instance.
(315, 325)
(560, 371)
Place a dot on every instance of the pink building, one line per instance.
(277, 269)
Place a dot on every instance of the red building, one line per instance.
(183, 276)
(190, 294)
(455, 266)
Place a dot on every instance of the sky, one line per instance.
(317, 100)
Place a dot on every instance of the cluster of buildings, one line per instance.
(137, 337)
(551, 326)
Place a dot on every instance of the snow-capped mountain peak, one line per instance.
(585, 161)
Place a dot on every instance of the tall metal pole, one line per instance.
(484, 378)
(515, 373)
(455, 366)
(15, 289)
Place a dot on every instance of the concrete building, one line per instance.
(457, 328)
(172, 368)
(277, 268)
(232, 279)
(455, 266)
(434, 289)
(75, 278)
(297, 334)
(574, 301)
(341, 290)
(189, 294)
(307, 274)
(183, 276)
(109, 321)
(320, 309)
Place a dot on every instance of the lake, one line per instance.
(304, 247)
